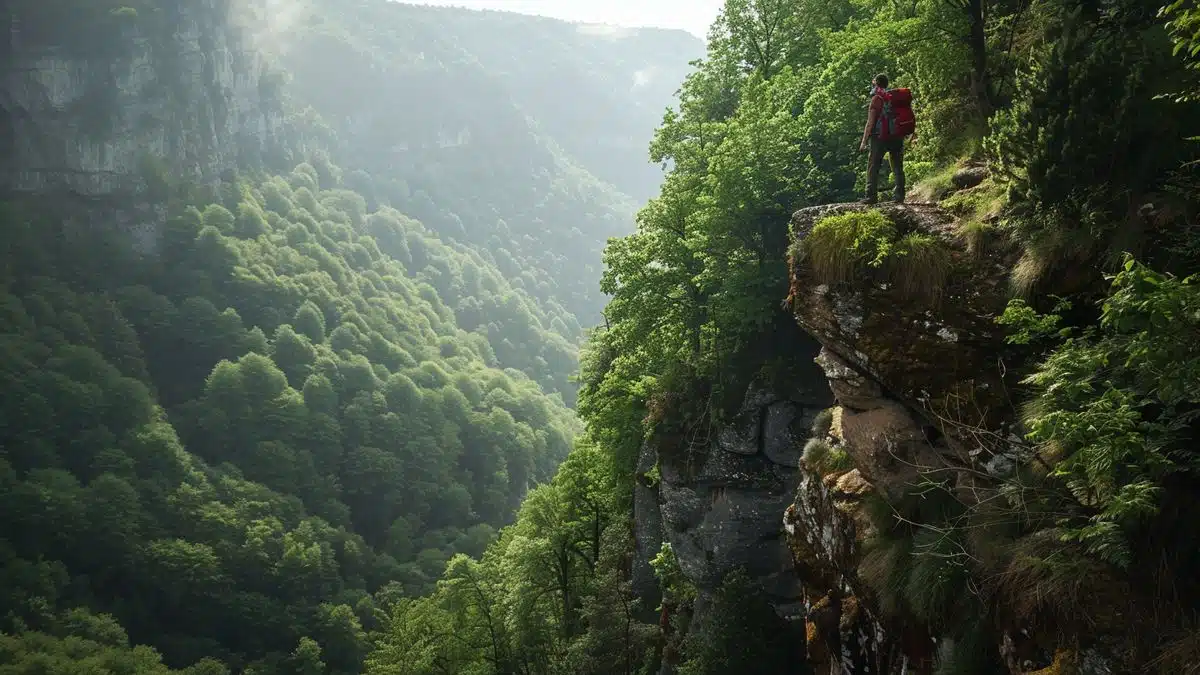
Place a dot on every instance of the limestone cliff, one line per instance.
(717, 495)
(110, 104)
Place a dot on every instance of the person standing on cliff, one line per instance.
(889, 121)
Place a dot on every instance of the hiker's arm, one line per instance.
(872, 116)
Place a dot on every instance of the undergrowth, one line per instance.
(936, 184)
(846, 246)
(978, 209)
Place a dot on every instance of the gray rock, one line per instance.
(648, 536)
(758, 396)
(741, 435)
(736, 528)
(729, 470)
(969, 176)
(781, 444)
(721, 509)
(849, 387)
(81, 125)
(682, 508)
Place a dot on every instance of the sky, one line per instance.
(693, 16)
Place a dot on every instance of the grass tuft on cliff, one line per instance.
(822, 423)
(822, 458)
(937, 184)
(977, 209)
(846, 246)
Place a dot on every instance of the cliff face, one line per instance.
(718, 503)
(112, 105)
(922, 410)
(902, 415)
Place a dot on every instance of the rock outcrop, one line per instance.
(648, 532)
(917, 382)
(944, 358)
(828, 523)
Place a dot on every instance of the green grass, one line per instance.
(936, 184)
(816, 451)
(847, 246)
(840, 243)
(822, 458)
(986, 200)
(822, 423)
(977, 209)
(920, 266)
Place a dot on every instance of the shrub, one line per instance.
(1118, 402)
(822, 458)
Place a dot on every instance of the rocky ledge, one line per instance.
(943, 357)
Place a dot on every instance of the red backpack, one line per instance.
(897, 120)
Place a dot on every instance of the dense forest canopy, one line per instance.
(329, 427)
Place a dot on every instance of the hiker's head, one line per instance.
(881, 81)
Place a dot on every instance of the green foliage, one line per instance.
(530, 169)
(1071, 177)
(654, 475)
(549, 576)
(971, 653)
(842, 246)
(162, 451)
(937, 577)
(822, 423)
(1183, 21)
(1027, 325)
(823, 458)
(32, 652)
(312, 408)
(838, 243)
(982, 201)
(936, 185)
(676, 587)
(741, 635)
(1117, 401)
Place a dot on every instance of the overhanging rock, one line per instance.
(944, 358)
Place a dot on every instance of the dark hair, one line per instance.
(881, 80)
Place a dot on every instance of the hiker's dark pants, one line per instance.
(894, 148)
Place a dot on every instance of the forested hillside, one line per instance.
(323, 424)
(492, 128)
(251, 398)
(264, 425)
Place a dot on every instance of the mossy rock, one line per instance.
(938, 350)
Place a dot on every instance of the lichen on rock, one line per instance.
(943, 359)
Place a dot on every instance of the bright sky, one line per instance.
(693, 16)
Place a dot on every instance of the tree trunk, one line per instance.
(977, 40)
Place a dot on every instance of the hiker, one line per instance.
(889, 121)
